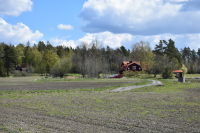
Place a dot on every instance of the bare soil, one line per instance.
(16, 120)
(97, 112)
(59, 85)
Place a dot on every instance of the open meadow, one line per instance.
(35, 104)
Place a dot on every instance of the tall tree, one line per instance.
(159, 49)
(171, 51)
(82, 55)
(125, 52)
(41, 46)
(193, 56)
(2, 69)
(9, 57)
(142, 52)
(19, 51)
(49, 60)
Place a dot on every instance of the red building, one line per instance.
(132, 66)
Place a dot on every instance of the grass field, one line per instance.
(173, 107)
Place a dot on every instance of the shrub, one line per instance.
(23, 74)
(168, 73)
(30, 69)
(184, 70)
(130, 73)
(142, 72)
(16, 73)
(61, 67)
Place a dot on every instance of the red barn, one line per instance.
(131, 65)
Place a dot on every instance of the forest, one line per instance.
(90, 60)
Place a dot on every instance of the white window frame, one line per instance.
(134, 67)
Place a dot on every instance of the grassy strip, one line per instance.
(84, 79)
(169, 85)
(13, 93)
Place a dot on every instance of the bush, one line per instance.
(142, 72)
(130, 73)
(168, 73)
(30, 69)
(23, 74)
(16, 73)
(61, 67)
(184, 70)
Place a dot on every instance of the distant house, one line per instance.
(18, 68)
(22, 68)
(132, 66)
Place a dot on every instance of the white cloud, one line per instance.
(65, 27)
(19, 33)
(15, 7)
(106, 38)
(176, 0)
(63, 42)
(127, 40)
(138, 17)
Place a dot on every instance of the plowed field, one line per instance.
(142, 110)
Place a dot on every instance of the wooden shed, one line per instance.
(179, 75)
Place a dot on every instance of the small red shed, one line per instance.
(179, 73)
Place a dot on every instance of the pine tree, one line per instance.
(8, 58)
(2, 69)
(159, 49)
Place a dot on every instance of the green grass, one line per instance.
(192, 75)
(18, 94)
(168, 86)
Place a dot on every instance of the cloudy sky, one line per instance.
(111, 22)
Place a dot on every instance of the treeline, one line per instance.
(92, 59)
(41, 58)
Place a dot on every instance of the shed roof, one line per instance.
(178, 71)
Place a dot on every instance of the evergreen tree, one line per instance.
(159, 49)
(193, 56)
(2, 69)
(49, 46)
(41, 46)
(171, 51)
(125, 52)
(8, 58)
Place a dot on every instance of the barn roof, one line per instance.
(178, 71)
(128, 62)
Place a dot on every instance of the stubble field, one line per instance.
(174, 107)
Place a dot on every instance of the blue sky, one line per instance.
(111, 22)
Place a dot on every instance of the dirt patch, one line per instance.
(71, 77)
(60, 85)
(15, 119)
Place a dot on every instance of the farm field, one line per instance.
(173, 107)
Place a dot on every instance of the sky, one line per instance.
(112, 22)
